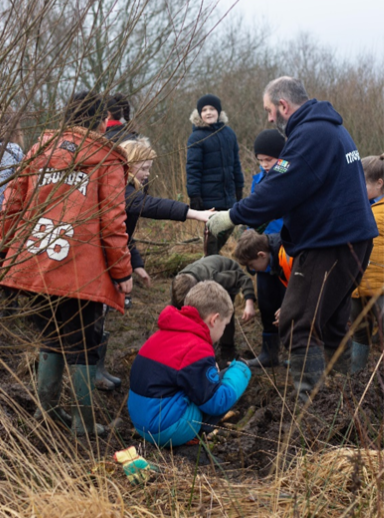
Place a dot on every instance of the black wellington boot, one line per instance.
(269, 355)
(104, 380)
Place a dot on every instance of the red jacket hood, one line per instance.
(93, 148)
(187, 320)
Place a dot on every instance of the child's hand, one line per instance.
(144, 277)
(277, 318)
(206, 214)
(249, 310)
(126, 286)
(200, 215)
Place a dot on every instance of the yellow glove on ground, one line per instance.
(219, 222)
(137, 469)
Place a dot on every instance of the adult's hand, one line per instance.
(126, 286)
(219, 222)
(143, 275)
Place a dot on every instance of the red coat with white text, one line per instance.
(64, 216)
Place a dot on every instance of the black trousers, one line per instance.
(215, 244)
(317, 303)
(270, 295)
(69, 326)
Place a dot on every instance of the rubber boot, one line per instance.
(307, 367)
(343, 363)
(83, 378)
(359, 357)
(269, 355)
(104, 380)
(49, 383)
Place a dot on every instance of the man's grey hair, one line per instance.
(288, 88)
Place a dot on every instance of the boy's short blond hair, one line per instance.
(209, 297)
(249, 245)
(181, 285)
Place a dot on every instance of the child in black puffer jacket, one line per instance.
(214, 176)
(139, 203)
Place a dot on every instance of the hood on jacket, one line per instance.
(311, 111)
(186, 319)
(91, 148)
(198, 122)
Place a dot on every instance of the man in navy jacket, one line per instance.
(318, 187)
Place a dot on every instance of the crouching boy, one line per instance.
(176, 391)
(265, 253)
(232, 278)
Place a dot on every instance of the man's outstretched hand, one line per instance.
(219, 222)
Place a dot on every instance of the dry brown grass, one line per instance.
(64, 481)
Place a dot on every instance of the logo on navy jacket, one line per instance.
(213, 375)
(281, 166)
(353, 156)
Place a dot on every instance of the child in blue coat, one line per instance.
(176, 391)
(270, 291)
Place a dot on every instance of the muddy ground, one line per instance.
(267, 420)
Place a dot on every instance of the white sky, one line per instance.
(350, 27)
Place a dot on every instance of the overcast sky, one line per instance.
(351, 27)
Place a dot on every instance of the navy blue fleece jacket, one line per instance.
(317, 186)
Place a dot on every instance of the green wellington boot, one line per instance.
(49, 383)
(344, 362)
(83, 380)
(359, 357)
(307, 366)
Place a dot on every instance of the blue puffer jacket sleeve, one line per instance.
(237, 376)
(194, 165)
(201, 383)
(235, 381)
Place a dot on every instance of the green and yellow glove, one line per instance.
(137, 469)
(219, 222)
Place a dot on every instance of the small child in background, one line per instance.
(372, 283)
(232, 278)
(265, 253)
(176, 390)
(268, 146)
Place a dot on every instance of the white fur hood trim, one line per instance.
(199, 123)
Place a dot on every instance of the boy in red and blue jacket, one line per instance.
(176, 390)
